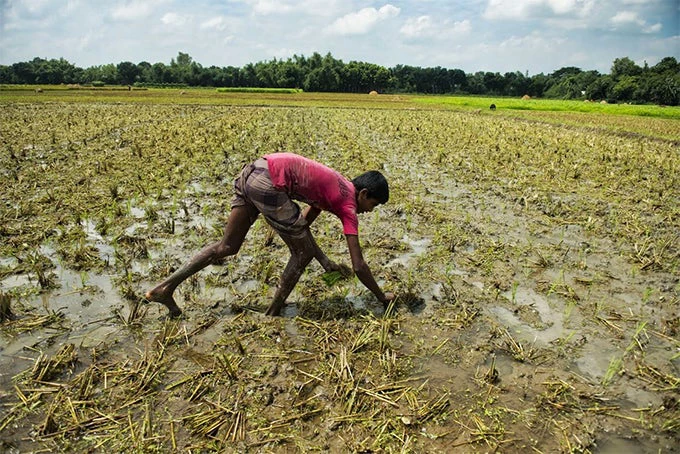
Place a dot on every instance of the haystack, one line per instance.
(373, 93)
(526, 97)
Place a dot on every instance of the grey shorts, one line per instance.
(253, 189)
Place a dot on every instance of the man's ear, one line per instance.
(363, 192)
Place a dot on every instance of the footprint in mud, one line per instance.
(415, 303)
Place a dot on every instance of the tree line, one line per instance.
(627, 81)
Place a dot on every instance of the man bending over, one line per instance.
(270, 186)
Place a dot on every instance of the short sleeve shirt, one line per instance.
(317, 185)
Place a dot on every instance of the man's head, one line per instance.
(371, 190)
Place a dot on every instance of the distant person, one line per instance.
(270, 186)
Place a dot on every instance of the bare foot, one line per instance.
(157, 295)
(275, 309)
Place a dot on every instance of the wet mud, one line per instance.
(539, 293)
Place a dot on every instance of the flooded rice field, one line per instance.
(536, 268)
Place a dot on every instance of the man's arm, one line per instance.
(310, 214)
(363, 272)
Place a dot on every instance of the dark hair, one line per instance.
(375, 183)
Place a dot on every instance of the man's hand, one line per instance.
(343, 269)
(389, 297)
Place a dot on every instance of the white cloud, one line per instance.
(35, 8)
(508, 9)
(72, 6)
(84, 41)
(418, 26)
(462, 27)
(266, 7)
(656, 28)
(363, 20)
(174, 19)
(320, 7)
(564, 6)
(533, 43)
(219, 23)
(628, 19)
(24, 14)
(527, 9)
(625, 17)
(131, 11)
(426, 26)
(305, 7)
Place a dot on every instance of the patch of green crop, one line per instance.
(257, 90)
(550, 105)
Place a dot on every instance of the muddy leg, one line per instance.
(238, 224)
(301, 253)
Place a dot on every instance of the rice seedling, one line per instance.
(514, 347)
(81, 256)
(135, 314)
(40, 265)
(615, 369)
(492, 376)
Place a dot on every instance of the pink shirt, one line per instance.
(317, 185)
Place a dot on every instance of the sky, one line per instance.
(530, 36)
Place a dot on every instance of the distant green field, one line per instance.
(552, 105)
(260, 96)
(257, 90)
(660, 122)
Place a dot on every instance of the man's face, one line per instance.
(366, 204)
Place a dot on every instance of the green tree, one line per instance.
(6, 74)
(161, 74)
(457, 79)
(228, 77)
(127, 72)
(109, 74)
(324, 78)
(666, 65)
(265, 74)
(144, 71)
(184, 59)
(404, 78)
(516, 84)
(665, 89)
(564, 72)
(624, 89)
(538, 85)
(625, 67)
(494, 83)
(476, 85)
(181, 68)
(23, 73)
(600, 88)
(289, 75)
(247, 76)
